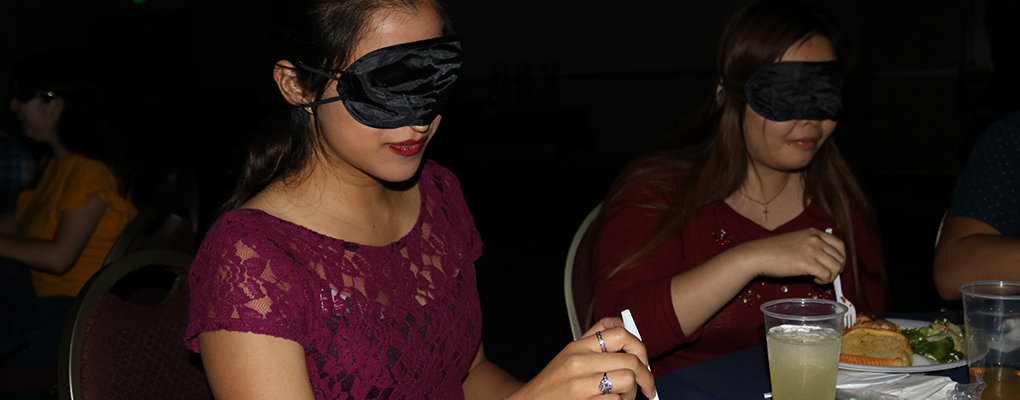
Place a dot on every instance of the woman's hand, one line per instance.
(809, 252)
(577, 371)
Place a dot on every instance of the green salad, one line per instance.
(941, 341)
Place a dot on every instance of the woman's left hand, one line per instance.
(577, 372)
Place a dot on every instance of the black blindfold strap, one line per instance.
(405, 84)
(324, 75)
(790, 90)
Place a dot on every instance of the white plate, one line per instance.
(921, 363)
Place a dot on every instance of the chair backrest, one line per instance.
(578, 275)
(114, 348)
(155, 227)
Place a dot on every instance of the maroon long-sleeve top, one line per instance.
(645, 287)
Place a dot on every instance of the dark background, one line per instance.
(554, 99)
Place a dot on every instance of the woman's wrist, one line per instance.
(740, 262)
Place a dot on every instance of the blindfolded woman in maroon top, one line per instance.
(694, 238)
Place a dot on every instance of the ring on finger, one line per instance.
(602, 343)
(605, 386)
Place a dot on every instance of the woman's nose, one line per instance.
(420, 128)
(812, 124)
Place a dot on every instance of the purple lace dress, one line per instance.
(400, 321)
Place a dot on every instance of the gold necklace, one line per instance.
(766, 204)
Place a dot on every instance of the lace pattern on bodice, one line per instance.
(390, 322)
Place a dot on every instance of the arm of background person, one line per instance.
(245, 365)
(971, 250)
(8, 224)
(57, 255)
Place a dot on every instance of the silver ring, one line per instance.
(605, 385)
(602, 344)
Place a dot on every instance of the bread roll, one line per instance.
(879, 347)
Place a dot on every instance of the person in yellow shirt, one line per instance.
(68, 220)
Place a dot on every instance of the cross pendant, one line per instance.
(766, 212)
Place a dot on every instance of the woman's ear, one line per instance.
(285, 75)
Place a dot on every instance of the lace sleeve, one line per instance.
(243, 280)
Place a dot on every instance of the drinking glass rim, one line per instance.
(999, 283)
(838, 305)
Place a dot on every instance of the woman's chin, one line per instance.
(398, 175)
(797, 164)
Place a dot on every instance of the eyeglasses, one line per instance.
(24, 95)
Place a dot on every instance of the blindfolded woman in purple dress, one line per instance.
(344, 266)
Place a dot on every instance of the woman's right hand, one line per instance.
(808, 252)
(577, 371)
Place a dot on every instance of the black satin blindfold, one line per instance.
(790, 90)
(402, 85)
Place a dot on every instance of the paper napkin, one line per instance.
(903, 386)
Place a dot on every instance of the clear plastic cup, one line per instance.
(803, 338)
(992, 312)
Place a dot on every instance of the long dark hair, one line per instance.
(321, 33)
(84, 124)
(710, 154)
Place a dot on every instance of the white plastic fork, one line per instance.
(850, 318)
(630, 326)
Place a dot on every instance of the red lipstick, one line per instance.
(408, 148)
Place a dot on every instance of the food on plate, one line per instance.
(865, 320)
(941, 341)
(877, 341)
(880, 347)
